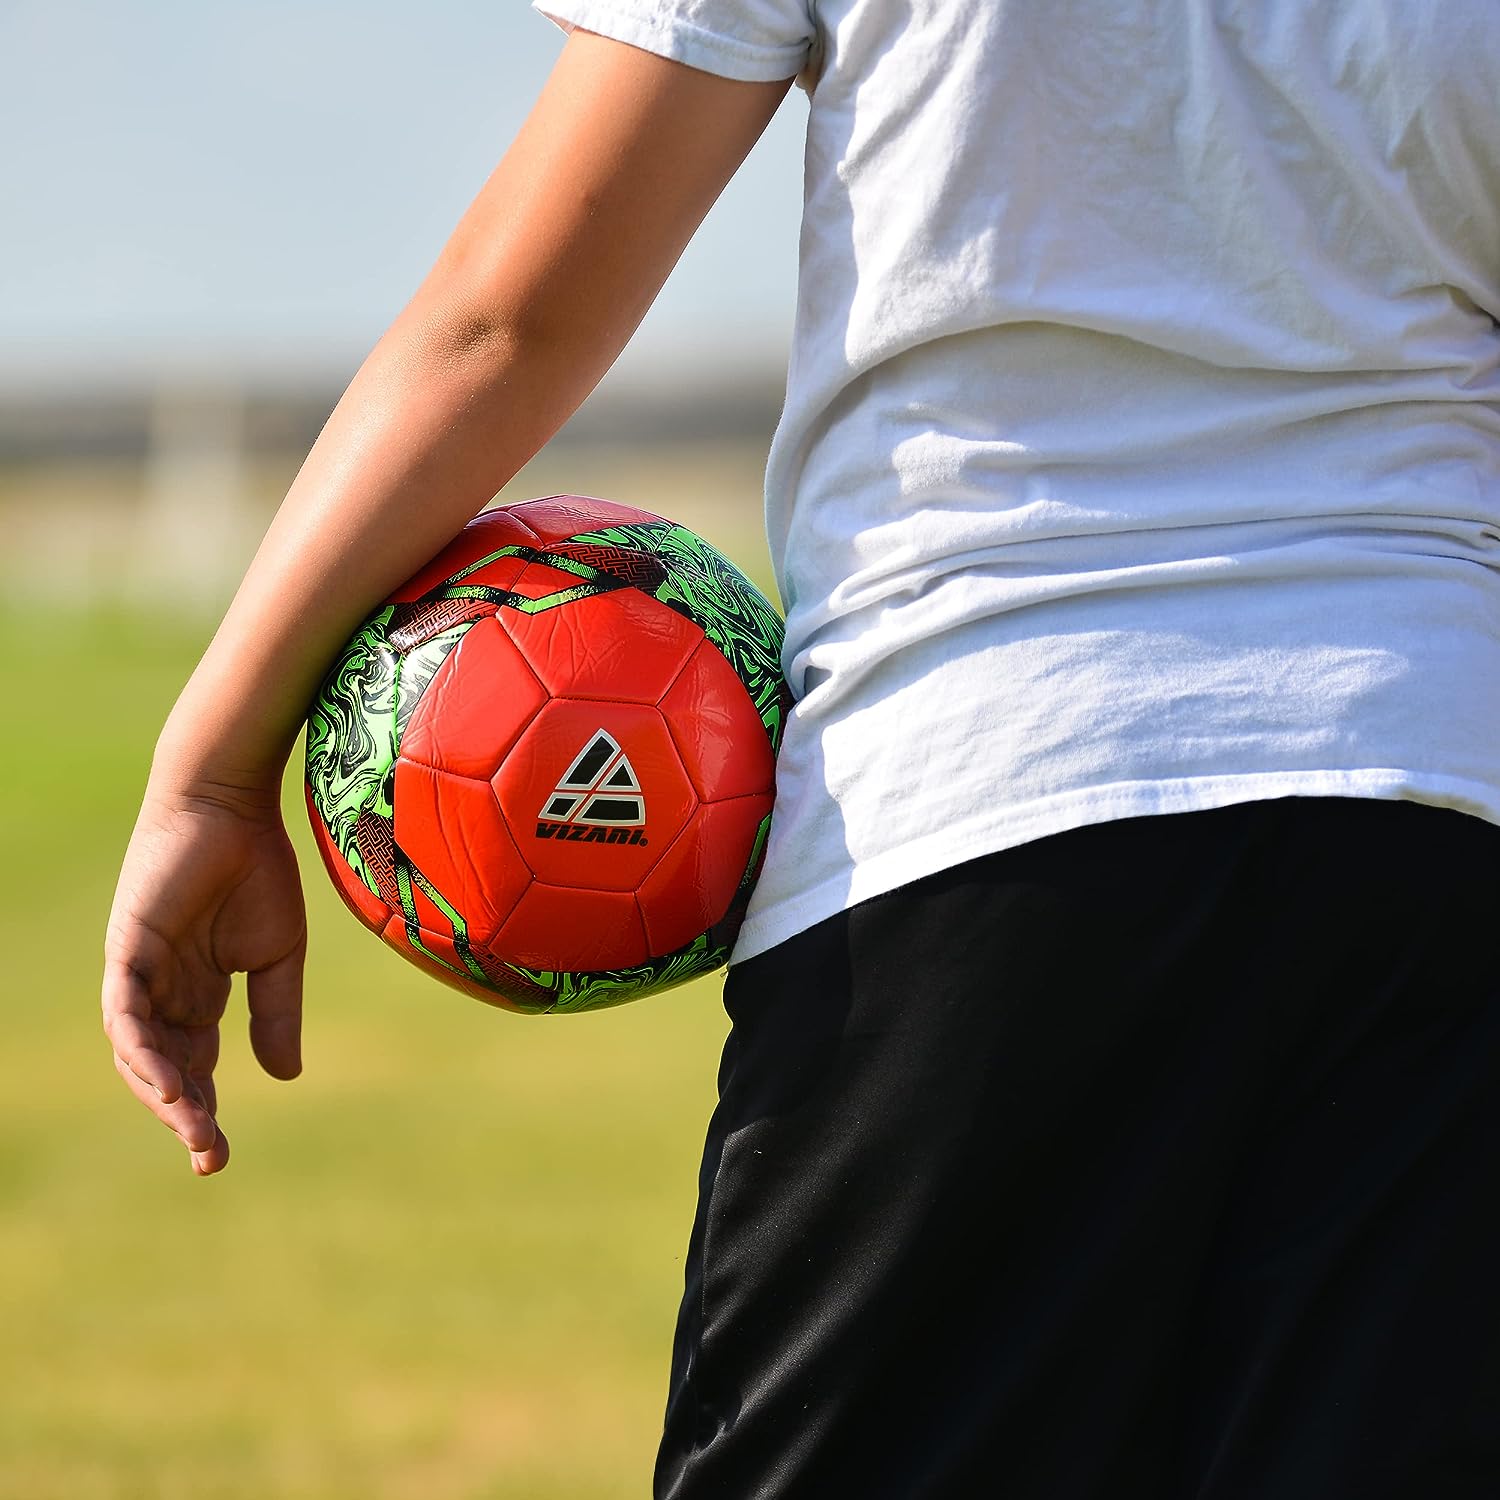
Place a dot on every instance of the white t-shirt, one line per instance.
(1141, 449)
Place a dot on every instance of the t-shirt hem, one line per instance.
(680, 40)
(1078, 808)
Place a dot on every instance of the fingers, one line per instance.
(208, 1094)
(215, 1159)
(208, 888)
(193, 1124)
(202, 1046)
(275, 999)
(168, 1068)
(200, 1079)
(127, 1024)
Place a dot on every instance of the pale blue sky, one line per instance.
(220, 184)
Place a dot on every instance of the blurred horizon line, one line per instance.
(119, 416)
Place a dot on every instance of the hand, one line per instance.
(209, 886)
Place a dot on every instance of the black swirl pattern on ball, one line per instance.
(351, 738)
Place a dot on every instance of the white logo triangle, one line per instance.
(599, 790)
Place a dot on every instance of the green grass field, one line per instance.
(443, 1263)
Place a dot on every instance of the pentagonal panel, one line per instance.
(716, 728)
(593, 792)
(573, 931)
(451, 829)
(694, 881)
(475, 707)
(554, 518)
(623, 645)
(493, 532)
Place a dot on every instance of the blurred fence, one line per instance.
(155, 499)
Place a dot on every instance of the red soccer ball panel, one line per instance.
(356, 895)
(475, 707)
(450, 828)
(491, 532)
(571, 930)
(542, 581)
(695, 880)
(718, 732)
(622, 646)
(594, 792)
(555, 518)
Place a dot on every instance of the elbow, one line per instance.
(466, 330)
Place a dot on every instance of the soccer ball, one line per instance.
(543, 771)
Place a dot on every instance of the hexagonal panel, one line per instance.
(451, 829)
(475, 707)
(573, 931)
(491, 532)
(622, 645)
(694, 881)
(716, 729)
(593, 792)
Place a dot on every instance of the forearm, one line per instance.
(538, 289)
(440, 416)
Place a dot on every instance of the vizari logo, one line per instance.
(599, 800)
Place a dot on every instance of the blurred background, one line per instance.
(446, 1261)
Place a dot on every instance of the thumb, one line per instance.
(275, 999)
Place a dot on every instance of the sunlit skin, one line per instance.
(543, 281)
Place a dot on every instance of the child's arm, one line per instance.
(537, 291)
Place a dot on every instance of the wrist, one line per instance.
(206, 753)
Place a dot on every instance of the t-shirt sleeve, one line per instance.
(758, 41)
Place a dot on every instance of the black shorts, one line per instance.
(1159, 1158)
